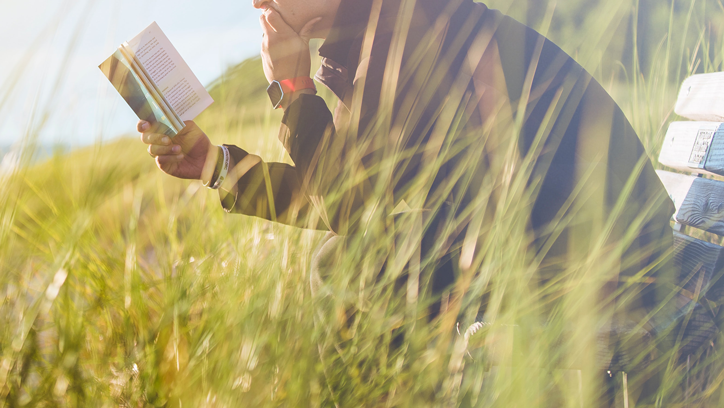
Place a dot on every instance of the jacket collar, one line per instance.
(340, 52)
(341, 48)
(348, 27)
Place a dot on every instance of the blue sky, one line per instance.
(50, 51)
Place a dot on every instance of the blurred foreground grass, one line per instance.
(121, 286)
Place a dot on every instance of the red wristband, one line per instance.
(296, 84)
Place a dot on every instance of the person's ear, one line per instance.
(306, 32)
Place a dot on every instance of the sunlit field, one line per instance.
(122, 286)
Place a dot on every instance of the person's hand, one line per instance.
(284, 52)
(184, 155)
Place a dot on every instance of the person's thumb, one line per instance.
(188, 135)
(306, 32)
(189, 129)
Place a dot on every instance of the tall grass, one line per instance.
(121, 286)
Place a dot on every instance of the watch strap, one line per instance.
(280, 91)
(296, 84)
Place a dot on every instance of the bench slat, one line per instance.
(694, 147)
(700, 97)
(699, 202)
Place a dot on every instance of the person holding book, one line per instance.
(442, 107)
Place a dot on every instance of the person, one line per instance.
(456, 114)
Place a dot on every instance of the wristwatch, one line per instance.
(279, 91)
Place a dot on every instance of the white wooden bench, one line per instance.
(696, 147)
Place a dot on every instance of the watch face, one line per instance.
(275, 93)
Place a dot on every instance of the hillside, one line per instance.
(122, 286)
(98, 246)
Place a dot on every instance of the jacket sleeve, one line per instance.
(316, 192)
(332, 173)
(268, 190)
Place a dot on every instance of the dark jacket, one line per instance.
(436, 90)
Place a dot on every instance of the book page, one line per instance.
(172, 76)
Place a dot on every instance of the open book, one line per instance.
(155, 81)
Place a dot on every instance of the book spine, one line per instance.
(152, 88)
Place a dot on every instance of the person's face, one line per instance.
(297, 13)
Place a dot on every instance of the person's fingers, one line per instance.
(277, 23)
(265, 27)
(155, 138)
(157, 150)
(308, 29)
(142, 126)
(164, 161)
